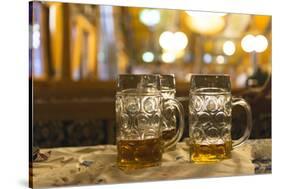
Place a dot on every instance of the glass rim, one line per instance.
(154, 74)
(141, 82)
(139, 75)
(210, 75)
(168, 82)
(200, 81)
(167, 75)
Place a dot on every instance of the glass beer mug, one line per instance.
(210, 109)
(139, 105)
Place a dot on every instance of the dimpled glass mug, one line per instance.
(139, 106)
(210, 109)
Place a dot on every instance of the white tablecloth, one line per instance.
(97, 165)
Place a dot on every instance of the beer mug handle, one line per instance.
(247, 132)
(179, 107)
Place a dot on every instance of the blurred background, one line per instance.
(77, 51)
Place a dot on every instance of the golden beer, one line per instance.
(134, 154)
(211, 152)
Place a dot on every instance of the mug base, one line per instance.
(134, 166)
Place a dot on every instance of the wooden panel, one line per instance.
(57, 100)
(70, 90)
(88, 110)
(83, 100)
(85, 89)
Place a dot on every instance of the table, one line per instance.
(97, 165)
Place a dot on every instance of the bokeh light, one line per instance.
(204, 14)
(168, 57)
(252, 43)
(261, 43)
(220, 59)
(248, 43)
(229, 48)
(149, 17)
(173, 41)
(207, 58)
(148, 57)
(166, 39)
(207, 23)
(180, 41)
